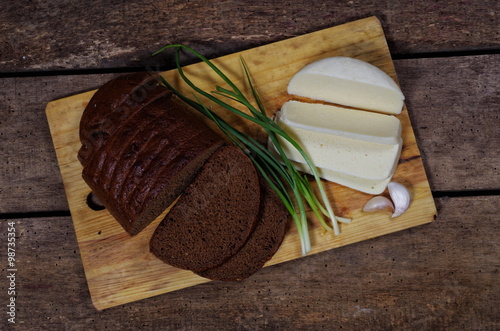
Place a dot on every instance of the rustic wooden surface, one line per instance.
(439, 276)
(51, 35)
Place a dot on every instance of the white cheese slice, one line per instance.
(370, 186)
(350, 123)
(348, 81)
(354, 157)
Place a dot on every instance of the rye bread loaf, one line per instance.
(148, 161)
(262, 244)
(214, 216)
(112, 105)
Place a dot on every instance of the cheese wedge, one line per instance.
(350, 82)
(341, 151)
(370, 186)
(349, 123)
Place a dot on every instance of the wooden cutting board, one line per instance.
(120, 269)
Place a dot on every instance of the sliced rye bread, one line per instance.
(112, 105)
(214, 216)
(147, 163)
(262, 244)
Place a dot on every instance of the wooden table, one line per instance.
(442, 275)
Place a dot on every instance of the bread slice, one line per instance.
(262, 244)
(147, 163)
(112, 105)
(214, 217)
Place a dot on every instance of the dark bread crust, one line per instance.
(266, 238)
(215, 215)
(111, 106)
(146, 164)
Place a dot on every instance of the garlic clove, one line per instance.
(400, 196)
(378, 203)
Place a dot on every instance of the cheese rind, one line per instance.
(350, 123)
(348, 81)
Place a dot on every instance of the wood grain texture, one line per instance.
(27, 164)
(54, 35)
(113, 261)
(439, 276)
(455, 110)
(443, 115)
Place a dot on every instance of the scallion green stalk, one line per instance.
(279, 173)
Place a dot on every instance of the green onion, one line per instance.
(293, 188)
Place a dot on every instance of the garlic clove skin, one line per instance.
(378, 203)
(400, 200)
(400, 196)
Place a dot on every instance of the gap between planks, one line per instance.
(66, 213)
(118, 70)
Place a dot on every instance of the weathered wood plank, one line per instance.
(454, 107)
(29, 177)
(438, 276)
(50, 35)
(453, 114)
